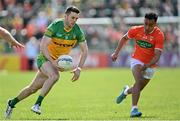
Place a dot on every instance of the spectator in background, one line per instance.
(31, 52)
(29, 17)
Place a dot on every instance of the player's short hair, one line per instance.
(70, 9)
(151, 16)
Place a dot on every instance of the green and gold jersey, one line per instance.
(63, 41)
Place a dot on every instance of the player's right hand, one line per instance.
(114, 56)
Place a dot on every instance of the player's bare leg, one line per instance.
(140, 83)
(36, 84)
(145, 82)
(53, 75)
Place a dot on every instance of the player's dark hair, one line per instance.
(151, 16)
(72, 9)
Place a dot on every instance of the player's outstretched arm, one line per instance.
(121, 43)
(9, 38)
(84, 52)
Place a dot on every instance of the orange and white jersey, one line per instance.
(145, 43)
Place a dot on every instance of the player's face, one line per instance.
(71, 19)
(149, 25)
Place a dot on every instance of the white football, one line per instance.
(65, 62)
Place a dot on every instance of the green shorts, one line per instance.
(40, 60)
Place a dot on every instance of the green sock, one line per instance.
(14, 101)
(39, 100)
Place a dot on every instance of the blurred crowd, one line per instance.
(28, 19)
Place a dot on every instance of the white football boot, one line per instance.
(36, 109)
(9, 110)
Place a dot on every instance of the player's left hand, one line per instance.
(76, 75)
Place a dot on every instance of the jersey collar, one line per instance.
(67, 30)
(151, 31)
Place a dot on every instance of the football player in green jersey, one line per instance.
(59, 38)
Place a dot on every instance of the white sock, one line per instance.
(134, 106)
(126, 90)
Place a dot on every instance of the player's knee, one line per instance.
(54, 77)
(139, 85)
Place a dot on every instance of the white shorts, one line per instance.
(148, 73)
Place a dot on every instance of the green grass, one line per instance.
(93, 96)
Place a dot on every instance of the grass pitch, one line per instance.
(93, 96)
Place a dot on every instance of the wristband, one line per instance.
(79, 68)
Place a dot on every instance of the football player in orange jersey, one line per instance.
(148, 48)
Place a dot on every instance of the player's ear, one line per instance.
(155, 24)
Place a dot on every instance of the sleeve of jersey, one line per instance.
(80, 36)
(131, 32)
(50, 30)
(160, 42)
